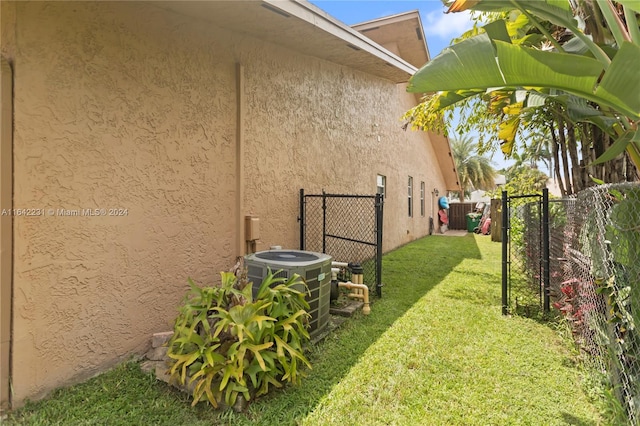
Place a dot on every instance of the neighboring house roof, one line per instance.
(303, 27)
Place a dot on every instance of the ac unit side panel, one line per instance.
(316, 274)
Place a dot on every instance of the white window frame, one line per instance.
(422, 198)
(381, 185)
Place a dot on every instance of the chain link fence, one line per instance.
(347, 227)
(594, 279)
(525, 254)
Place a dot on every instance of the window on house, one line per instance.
(381, 183)
(422, 199)
(410, 197)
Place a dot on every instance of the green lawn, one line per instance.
(434, 351)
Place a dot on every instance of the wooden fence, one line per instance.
(458, 214)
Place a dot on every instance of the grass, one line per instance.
(434, 351)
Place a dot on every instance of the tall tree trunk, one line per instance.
(572, 148)
(563, 150)
(632, 173)
(587, 153)
(556, 159)
(600, 143)
(613, 171)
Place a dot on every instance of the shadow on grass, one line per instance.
(409, 273)
(573, 420)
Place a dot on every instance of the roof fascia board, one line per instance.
(446, 161)
(304, 10)
(400, 17)
(424, 39)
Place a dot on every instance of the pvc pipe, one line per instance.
(361, 292)
(357, 279)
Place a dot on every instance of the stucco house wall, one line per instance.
(315, 125)
(131, 108)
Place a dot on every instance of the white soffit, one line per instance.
(302, 27)
(404, 30)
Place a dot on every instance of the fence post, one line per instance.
(546, 278)
(324, 221)
(301, 219)
(379, 206)
(505, 242)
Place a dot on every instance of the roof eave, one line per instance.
(315, 16)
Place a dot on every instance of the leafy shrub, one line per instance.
(225, 344)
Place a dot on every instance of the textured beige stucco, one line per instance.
(126, 105)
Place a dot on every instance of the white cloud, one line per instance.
(446, 25)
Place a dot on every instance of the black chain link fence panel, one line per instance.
(348, 224)
(525, 249)
(594, 264)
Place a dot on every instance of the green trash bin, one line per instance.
(473, 221)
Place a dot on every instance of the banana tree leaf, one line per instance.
(530, 40)
(472, 64)
(446, 99)
(513, 109)
(622, 79)
(467, 65)
(631, 4)
(575, 46)
(614, 23)
(632, 24)
(536, 99)
(604, 123)
(507, 146)
(616, 149)
(557, 11)
(507, 133)
(517, 25)
(523, 66)
(577, 108)
(521, 95)
(497, 30)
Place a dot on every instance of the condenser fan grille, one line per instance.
(287, 256)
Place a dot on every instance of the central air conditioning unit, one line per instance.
(314, 268)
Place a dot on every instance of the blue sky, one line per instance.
(439, 27)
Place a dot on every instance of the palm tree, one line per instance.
(537, 150)
(474, 170)
(531, 154)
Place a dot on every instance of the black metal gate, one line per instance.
(347, 227)
(525, 252)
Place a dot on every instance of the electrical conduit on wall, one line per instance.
(240, 109)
